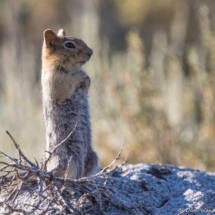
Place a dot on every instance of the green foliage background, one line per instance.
(152, 72)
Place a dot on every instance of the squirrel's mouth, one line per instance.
(82, 62)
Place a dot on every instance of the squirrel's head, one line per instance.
(63, 50)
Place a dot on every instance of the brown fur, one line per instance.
(58, 84)
(65, 103)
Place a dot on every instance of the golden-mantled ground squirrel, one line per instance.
(65, 102)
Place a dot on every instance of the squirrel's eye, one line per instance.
(70, 45)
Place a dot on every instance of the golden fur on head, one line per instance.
(68, 52)
(62, 58)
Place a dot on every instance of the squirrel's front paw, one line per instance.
(85, 84)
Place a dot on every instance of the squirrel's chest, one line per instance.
(63, 116)
(73, 108)
(58, 86)
(76, 103)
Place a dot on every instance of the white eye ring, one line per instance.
(69, 45)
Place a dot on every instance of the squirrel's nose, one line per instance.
(89, 52)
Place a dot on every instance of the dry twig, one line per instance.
(58, 194)
(52, 152)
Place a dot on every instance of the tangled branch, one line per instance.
(52, 194)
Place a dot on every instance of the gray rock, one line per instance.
(158, 189)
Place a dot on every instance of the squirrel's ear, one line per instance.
(61, 32)
(49, 37)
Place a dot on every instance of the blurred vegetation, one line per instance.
(152, 72)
